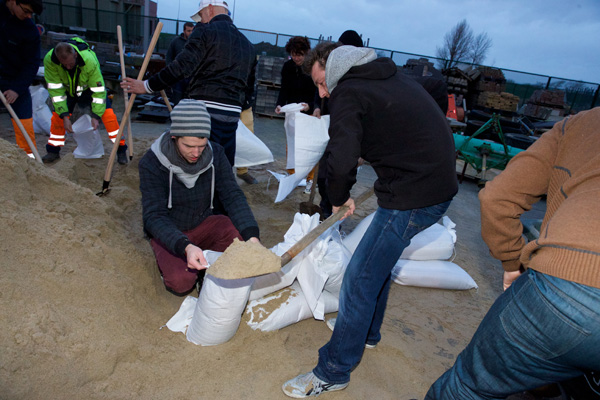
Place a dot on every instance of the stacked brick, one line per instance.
(500, 101)
(269, 83)
(546, 104)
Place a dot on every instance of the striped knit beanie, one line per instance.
(190, 118)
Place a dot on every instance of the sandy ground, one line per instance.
(82, 304)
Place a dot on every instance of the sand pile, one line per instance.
(76, 290)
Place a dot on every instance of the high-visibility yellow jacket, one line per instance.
(86, 75)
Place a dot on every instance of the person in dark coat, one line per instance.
(178, 90)
(19, 61)
(220, 63)
(296, 85)
(388, 119)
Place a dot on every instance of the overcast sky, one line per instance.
(550, 37)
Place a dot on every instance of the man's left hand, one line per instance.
(351, 207)
(254, 240)
(510, 277)
(95, 123)
(133, 86)
(11, 96)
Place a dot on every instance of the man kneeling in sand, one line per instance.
(180, 178)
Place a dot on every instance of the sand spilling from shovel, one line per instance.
(244, 260)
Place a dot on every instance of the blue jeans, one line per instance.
(364, 292)
(541, 330)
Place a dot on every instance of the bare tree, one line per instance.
(481, 44)
(457, 44)
(460, 45)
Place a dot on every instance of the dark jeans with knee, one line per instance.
(364, 293)
(541, 330)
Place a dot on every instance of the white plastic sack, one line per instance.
(42, 115)
(89, 144)
(218, 310)
(293, 308)
(307, 137)
(434, 243)
(290, 111)
(249, 149)
(432, 274)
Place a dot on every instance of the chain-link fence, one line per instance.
(100, 26)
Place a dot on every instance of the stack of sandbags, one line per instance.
(424, 262)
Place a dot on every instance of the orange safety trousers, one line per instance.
(57, 129)
(21, 141)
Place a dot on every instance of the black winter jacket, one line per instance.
(19, 51)
(190, 206)
(175, 47)
(219, 61)
(389, 120)
(296, 86)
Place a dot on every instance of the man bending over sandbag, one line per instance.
(180, 176)
(73, 75)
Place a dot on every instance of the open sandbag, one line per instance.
(432, 274)
(89, 144)
(218, 310)
(307, 137)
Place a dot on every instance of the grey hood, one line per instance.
(165, 151)
(342, 59)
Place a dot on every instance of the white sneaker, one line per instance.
(308, 385)
(308, 187)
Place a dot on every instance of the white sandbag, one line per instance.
(432, 274)
(269, 283)
(218, 310)
(89, 144)
(319, 267)
(290, 307)
(334, 263)
(307, 137)
(434, 243)
(42, 115)
(249, 149)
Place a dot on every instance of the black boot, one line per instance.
(122, 155)
(53, 154)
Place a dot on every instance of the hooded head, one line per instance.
(343, 58)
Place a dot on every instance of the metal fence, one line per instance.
(98, 25)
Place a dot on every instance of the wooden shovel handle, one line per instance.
(21, 127)
(319, 229)
(113, 153)
(125, 94)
